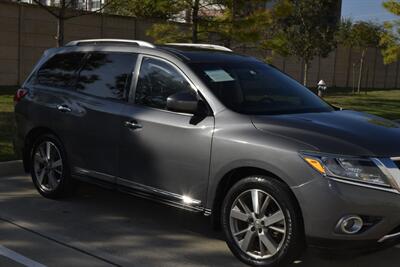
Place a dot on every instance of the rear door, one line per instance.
(53, 94)
(92, 120)
(167, 152)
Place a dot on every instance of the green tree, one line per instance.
(169, 32)
(362, 36)
(240, 24)
(305, 29)
(193, 12)
(390, 39)
(222, 21)
(159, 9)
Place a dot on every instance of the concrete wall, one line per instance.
(27, 30)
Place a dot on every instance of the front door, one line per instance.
(161, 150)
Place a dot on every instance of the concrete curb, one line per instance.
(14, 167)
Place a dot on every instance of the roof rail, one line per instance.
(111, 41)
(207, 46)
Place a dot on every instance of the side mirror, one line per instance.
(184, 101)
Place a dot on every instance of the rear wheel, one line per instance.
(49, 168)
(261, 224)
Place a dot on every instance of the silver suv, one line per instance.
(204, 129)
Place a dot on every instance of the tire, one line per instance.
(273, 237)
(50, 174)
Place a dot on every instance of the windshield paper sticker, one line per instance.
(219, 75)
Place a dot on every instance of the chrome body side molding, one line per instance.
(94, 174)
(388, 237)
(144, 191)
(159, 195)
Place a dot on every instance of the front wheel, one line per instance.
(261, 224)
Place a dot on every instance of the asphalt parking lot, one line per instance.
(98, 227)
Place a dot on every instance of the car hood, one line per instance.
(340, 132)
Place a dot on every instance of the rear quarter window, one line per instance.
(59, 71)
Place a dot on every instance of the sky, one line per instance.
(368, 10)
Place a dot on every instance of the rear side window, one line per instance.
(107, 75)
(59, 71)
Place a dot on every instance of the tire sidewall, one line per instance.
(278, 191)
(65, 177)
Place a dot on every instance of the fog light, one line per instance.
(350, 225)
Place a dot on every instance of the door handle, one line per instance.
(132, 125)
(64, 108)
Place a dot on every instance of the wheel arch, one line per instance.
(29, 140)
(233, 176)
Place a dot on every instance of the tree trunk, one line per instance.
(364, 51)
(60, 24)
(195, 21)
(234, 10)
(305, 77)
(60, 32)
(354, 78)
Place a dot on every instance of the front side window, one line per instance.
(59, 71)
(107, 75)
(157, 81)
(253, 87)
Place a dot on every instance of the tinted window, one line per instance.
(59, 71)
(107, 75)
(256, 88)
(157, 81)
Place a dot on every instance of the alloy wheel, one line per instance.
(257, 224)
(48, 166)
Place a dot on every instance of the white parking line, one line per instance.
(8, 253)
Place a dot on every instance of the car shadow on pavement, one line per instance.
(139, 232)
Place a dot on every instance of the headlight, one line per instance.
(362, 170)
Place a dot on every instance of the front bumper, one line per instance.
(324, 202)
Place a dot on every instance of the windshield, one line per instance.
(257, 88)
